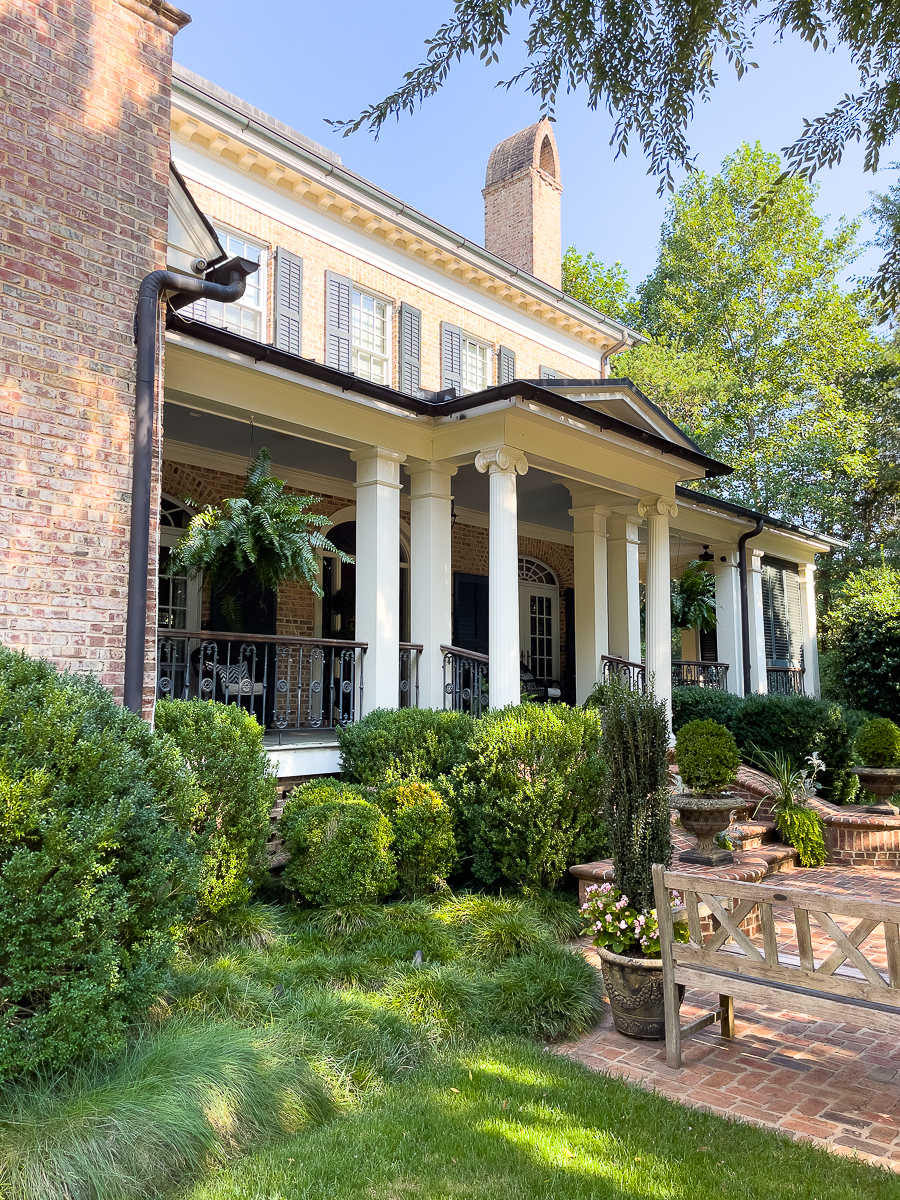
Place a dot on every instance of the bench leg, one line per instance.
(726, 1004)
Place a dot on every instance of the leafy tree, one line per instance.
(649, 65)
(604, 288)
(266, 530)
(747, 300)
(862, 638)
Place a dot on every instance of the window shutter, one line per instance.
(288, 300)
(470, 612)
(792, 611)
(506, 365)
(410, 350)
(781, 614)
(549, 373)
(451, 358)
(337, 321)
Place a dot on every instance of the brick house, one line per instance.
(504, 497)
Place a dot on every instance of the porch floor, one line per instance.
(299, 739)
(836, 1085)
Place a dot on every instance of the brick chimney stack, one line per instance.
(521, 202)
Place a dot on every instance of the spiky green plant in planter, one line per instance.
(635, 740)
(265, 530)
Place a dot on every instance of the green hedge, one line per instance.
(394, 744)
(794, 725)
(424, 845)
(95, 866)
(223, 746)
(530, 793)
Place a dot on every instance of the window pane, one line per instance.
(475, 360)
(370, 333)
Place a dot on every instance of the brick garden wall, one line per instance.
(84, 150)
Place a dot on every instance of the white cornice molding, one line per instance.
(211, 132)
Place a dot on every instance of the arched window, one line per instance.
(533, 571)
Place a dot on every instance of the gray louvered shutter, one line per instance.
(337, 321)
(410, 350)
(506, 365)
(781, 614)
(549, 373)
(792, 615)
(288, 300)
(451, 357)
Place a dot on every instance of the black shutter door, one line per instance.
(337, 321)
(288, 300)
(451, 359)
(410, 350)
(709, 645)
(506, 365)
(792, 614)
(470, 612)
(781, 613)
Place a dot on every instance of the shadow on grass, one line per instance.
(508, 1120)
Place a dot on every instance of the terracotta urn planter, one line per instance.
(635, 990)
(704, 817)
(883, 782)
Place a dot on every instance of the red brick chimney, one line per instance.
(521, 202)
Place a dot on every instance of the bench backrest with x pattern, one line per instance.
(729, 963)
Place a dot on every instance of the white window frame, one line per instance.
(386, 359)
(202, 310)
(488, 352)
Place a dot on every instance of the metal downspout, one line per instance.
(745, 598)
(146, 327)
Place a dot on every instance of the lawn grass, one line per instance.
(508, 1120)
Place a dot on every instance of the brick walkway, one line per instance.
(836, 1085)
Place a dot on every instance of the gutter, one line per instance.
(745, 598)
(348, 382)
(146, 324)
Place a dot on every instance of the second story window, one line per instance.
(370, 323)
(247, 315)
(466, 362)
(476, 362)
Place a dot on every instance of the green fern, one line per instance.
(266, 530)
(803, 829)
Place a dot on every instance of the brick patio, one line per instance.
(835, 1085)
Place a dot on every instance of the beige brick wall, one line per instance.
(319, 257)
(84, 148)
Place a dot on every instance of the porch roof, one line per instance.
(752, 516)
(549, 397)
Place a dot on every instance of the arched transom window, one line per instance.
(532, 571)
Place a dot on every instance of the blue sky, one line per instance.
(305, 62)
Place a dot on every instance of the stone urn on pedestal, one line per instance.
(708, 761)
(878, 745)
(620, 915)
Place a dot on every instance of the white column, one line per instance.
(808, 628)
(658, 611)
(430, 576)
(591, 614)
(728, 619)
(759, 681)
(503, 463)
(378, 572)
(623, 587)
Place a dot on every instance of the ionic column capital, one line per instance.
(657, 506)
(501, 460)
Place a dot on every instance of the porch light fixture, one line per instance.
(706, 556)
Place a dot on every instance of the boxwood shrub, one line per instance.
(339, 843)
(530, 793)
(394, 744)
(95, 865)
(794, 725)
(424, 845)
(223, 746)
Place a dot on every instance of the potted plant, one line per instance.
(708, 761)
(878, 745)
(621, 917)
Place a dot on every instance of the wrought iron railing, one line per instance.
(465, 680)
(700, 674)
(632, 675)
(409, 675)
(784, 681)
(288, 683)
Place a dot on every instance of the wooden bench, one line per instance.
(768, 974)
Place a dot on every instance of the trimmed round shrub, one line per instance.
(549, 993)
(223, 746)
(530, 795)
(395, 744)
(878, 743)
(95, 865)
(424, 844)
(340, 848)
(707, 756)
